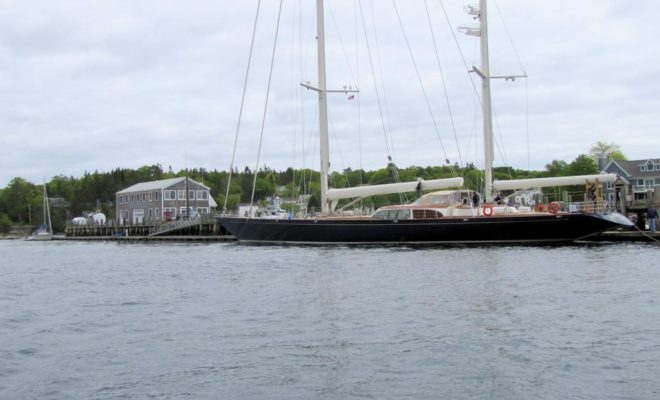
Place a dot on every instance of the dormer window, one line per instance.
(642, 168)
(649, 166)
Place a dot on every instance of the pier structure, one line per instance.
(203, 225)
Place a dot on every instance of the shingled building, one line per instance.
(162, 200)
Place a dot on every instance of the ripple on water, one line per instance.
(102, 321)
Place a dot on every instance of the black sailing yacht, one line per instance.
(442, 216)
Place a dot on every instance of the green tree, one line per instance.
(17, 196)
(611, 151)
(582, 165)
(556, 168)
(5, 223)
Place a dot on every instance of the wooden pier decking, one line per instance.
(203, 226)
(187, 238)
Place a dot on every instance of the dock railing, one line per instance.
(591, 207)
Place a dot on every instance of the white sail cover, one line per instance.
(364, 191)
(555, 181)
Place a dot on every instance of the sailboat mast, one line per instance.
(47, 209)
(323, 108)
(487, 110)
(45, 200)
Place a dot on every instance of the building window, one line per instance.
(132, 199)
(657, 181)
(191, 195)
(150, 195)
(182, 194)
(156, 196)
(144, 197)
(642, 168)
(170, 195)
(203, 210)
(202, 195)
(157, 213)
(171, 211)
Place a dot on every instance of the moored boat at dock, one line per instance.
(454, 216)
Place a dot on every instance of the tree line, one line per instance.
(21, 201)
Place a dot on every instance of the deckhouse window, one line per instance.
(440, 200)
(392, 214)
(382, 214)
(426, 214)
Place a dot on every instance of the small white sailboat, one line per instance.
(45, 231)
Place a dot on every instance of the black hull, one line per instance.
(541, 228)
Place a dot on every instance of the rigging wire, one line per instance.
(240, 113)
(263, 119)
(460, 51)
(421, 83)
(522, 68)
(444, 84)
(359, 103)
(373, 74)
(296, 95)
(379, 58)
(506, 30)
(341, 42)
(527, 120)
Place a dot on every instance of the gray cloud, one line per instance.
(95, 85)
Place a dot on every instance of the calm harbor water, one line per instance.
(224, 321)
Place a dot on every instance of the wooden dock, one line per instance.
(172, 238)
(203, 226)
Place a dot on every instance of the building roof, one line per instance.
(632, 167)
(155, 185)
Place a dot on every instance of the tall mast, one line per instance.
(323, 108)
(484, 74)
(487, 111)
(45, 203)
(47, 209)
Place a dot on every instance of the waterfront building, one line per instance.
(163, 200)
(638, 185)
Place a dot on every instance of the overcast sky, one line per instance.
(95, 85)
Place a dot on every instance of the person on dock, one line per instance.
(651, 216)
